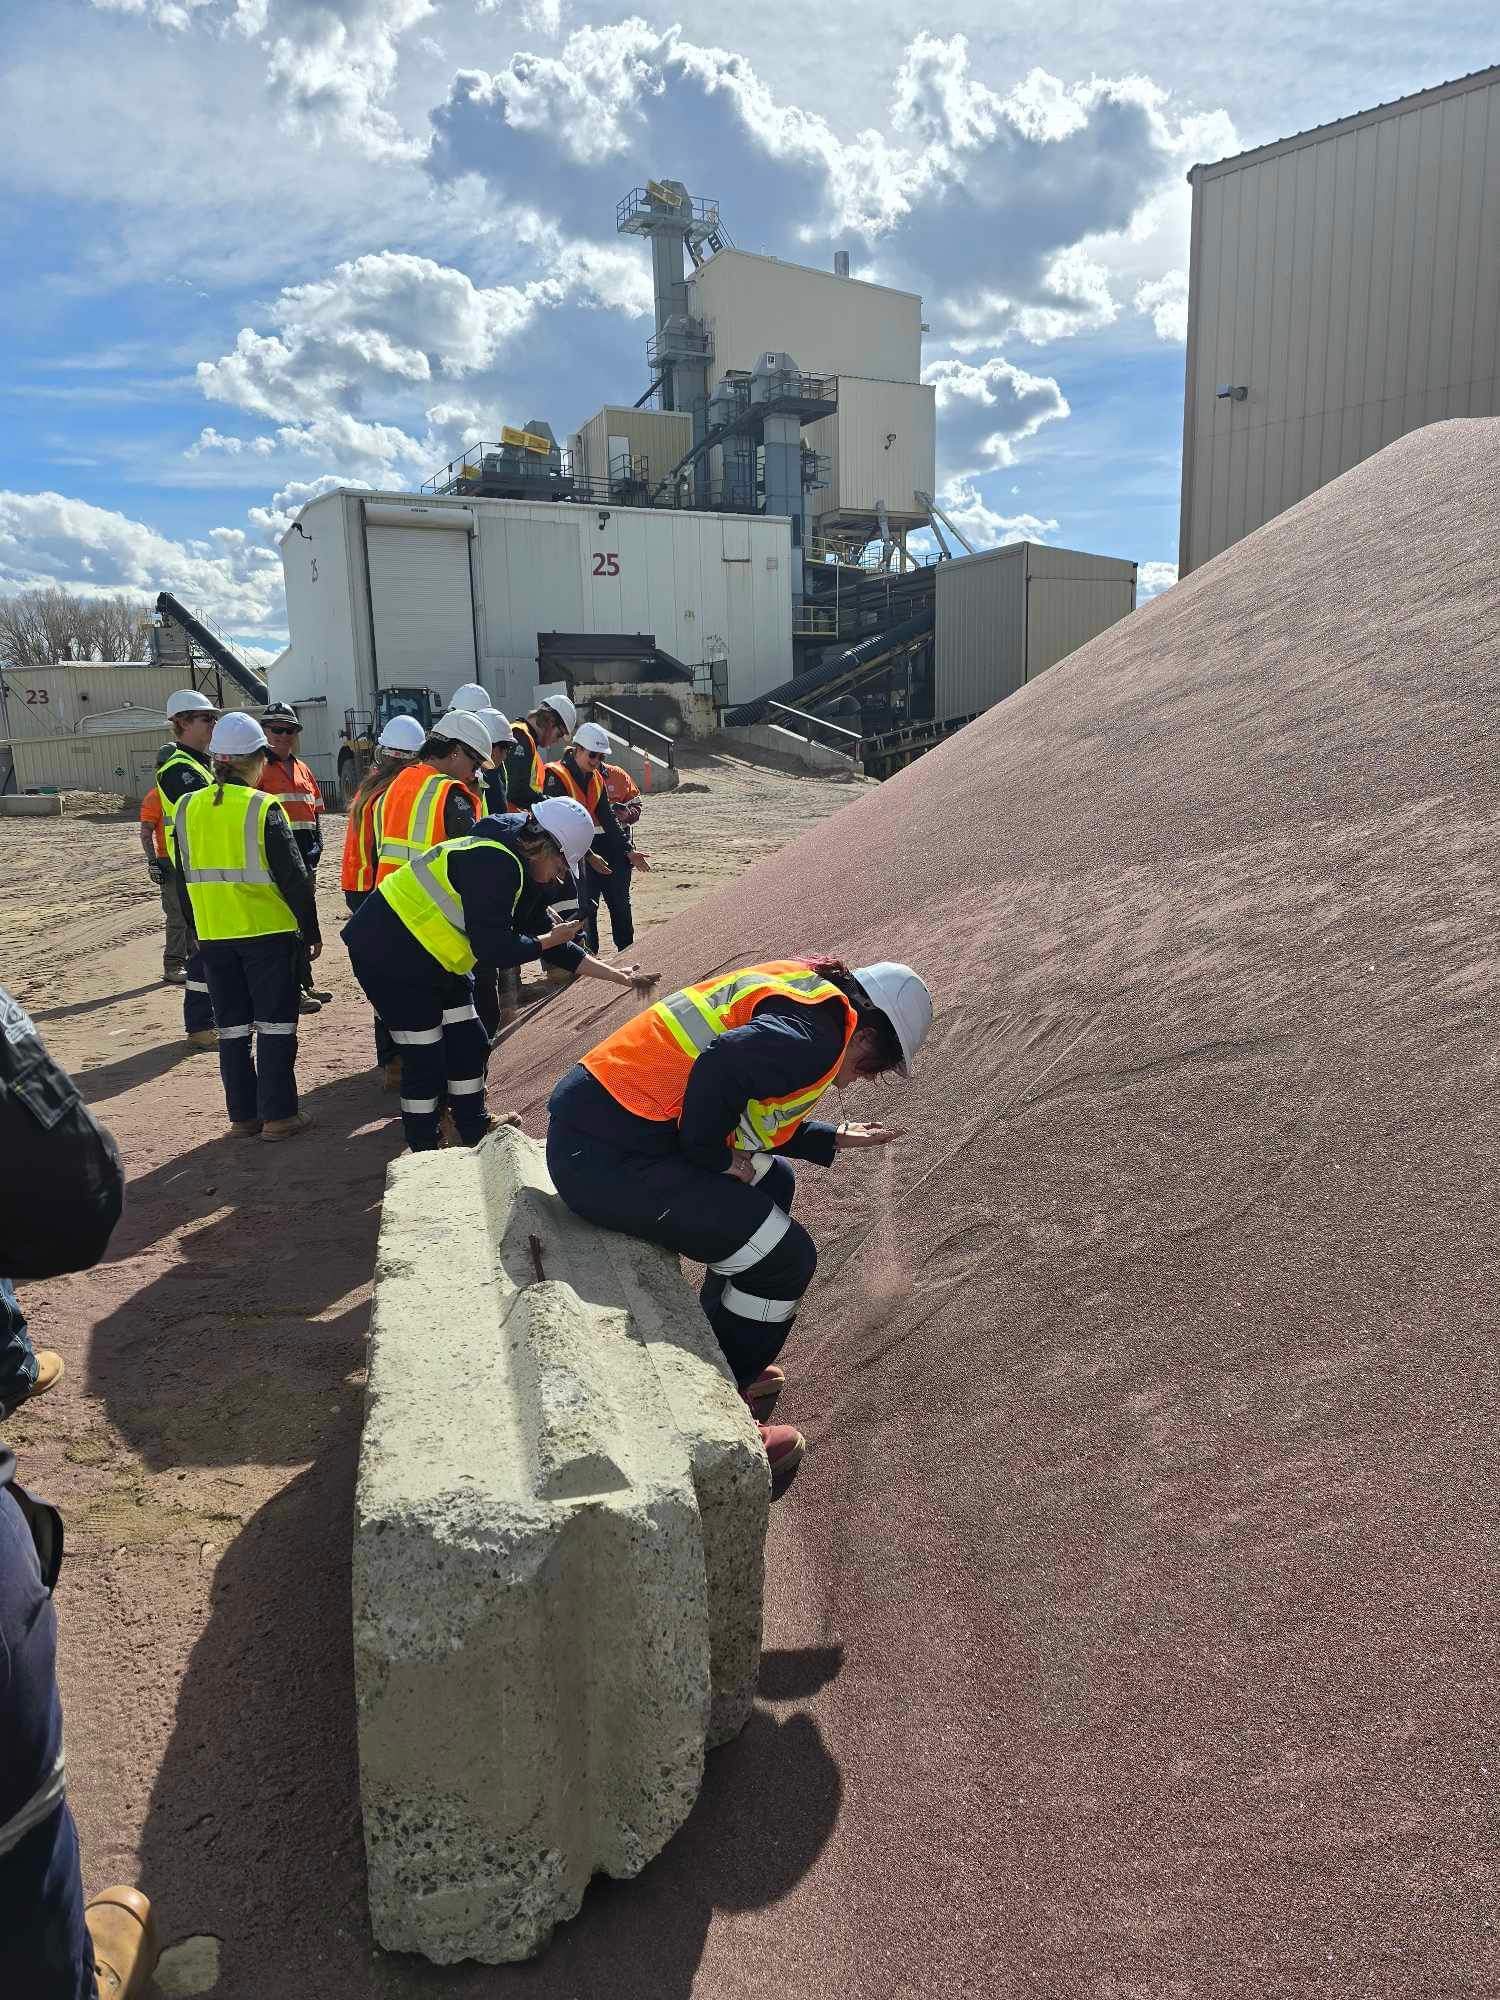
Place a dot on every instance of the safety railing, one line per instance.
(639, 735)
(831, 735)
(810, 622)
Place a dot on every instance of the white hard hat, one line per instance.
(470, 695)
(904, 1000)
(236, 735)
(497, 724)
(570, 825)
(402, 732)
(591, 736)
(188, 701)
(564, 710)
(462, 725)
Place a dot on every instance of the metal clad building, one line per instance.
(830, 325)
(1003, 617)
(39, 702)
(881, 446)
(1348, 280)
(661, 437)
(95, 761)
(387, 590)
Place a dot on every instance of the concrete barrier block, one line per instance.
(559, 1542)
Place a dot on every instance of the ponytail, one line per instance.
(886, 1052)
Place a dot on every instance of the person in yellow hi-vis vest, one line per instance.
(250, 900)
(679, 1127)
(484, 899)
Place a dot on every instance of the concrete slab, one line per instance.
(30, 805)
(559, 1544)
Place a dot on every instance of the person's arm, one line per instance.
(289, 873)
(775, 1055)
(609, 840)
(518, 777)
(184, 900)
(61, 1182)
(315, 853)
(458, 819)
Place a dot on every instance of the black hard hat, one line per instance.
(283, 712)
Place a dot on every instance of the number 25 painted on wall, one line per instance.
(606, 565)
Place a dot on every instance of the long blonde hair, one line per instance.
(244, 770)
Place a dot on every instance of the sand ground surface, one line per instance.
(202, 1444)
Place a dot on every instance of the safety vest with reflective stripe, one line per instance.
(221, 849)
(587, 796)
(409, 818)
(645, 1065)
(357, 870)
(169, 806)
(424, 898)
(538, 778)
(297, 789)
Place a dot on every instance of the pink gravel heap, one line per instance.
(1133, 1616)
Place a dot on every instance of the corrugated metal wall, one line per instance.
(979, 647)
(881, 445)
(1350, 280)
(662, 437)
(1004, 617)
(40, 702)
(95, 763)
(829, 325)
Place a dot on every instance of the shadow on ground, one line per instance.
(253, 1833)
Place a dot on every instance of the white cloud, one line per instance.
(981, 526)
(985, 411)
(48, 538)
(1166, 300)
(1152, 578)
(272, 521)
(165, 13)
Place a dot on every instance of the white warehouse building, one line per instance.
(391, 590)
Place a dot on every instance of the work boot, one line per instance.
(204, 1038)
(317, 993)
(784, 1448)
(50, 1369)
(390, 1075)
(285, 1128)
(124, 1937)
(761, 1394)
(173, 975)
(246, 1128)
(308, 1003)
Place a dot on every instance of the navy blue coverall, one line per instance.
(429, 1011)
(668, 1182)
(174, 784)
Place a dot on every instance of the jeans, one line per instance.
(17, 1355)
(253, 982)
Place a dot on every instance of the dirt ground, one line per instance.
(202, 1444)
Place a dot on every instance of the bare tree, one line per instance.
(40, 627)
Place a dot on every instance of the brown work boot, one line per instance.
(50, 1370)
(204, 1038)
(784, 1448)
(285, 1128)
(124, 1936)
(762, 1394)
(390, 1075)
(245, 1128)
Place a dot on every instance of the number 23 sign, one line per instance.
(606, 565)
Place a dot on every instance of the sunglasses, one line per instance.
(281, 729)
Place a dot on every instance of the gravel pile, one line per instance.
(1133, 1616)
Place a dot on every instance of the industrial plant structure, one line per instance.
(744, 521)
(1344, 289)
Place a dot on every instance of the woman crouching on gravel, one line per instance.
(637, 1140)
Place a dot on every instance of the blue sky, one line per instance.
(256, 248)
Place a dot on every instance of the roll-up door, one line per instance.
(423, 607)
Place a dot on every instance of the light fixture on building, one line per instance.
(1235, 394)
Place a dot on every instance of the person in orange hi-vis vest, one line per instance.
(178, 946)
(678, 1129)
(292, 782)
(579, 774)
(395, 747)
